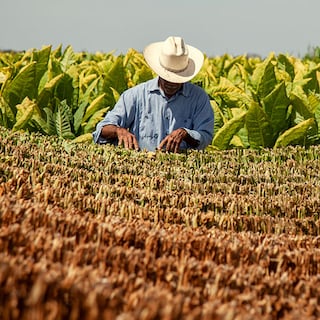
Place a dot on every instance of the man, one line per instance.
(168, 112)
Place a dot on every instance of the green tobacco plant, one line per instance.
(258, 103)
(61, 92)
(278, 101)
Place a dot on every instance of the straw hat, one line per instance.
(173, 60)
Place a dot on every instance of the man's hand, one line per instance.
(171, 143)
(127, 139)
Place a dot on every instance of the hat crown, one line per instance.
(173, 60)
(174, 55)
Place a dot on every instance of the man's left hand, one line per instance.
(171, 142)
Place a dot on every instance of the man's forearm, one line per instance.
(109, 131)
(191, 141)
(124, 137)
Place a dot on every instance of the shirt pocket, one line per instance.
(148, 128)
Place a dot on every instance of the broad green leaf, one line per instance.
(21, 86)
(115, 93)
(286, 65)
(230, 63)
(219, 119)
(316, 107)
(39, 120)
(47, 92)
(7, 116)
(86, 137)
(221, 63)
(105, 65)
(295, 133)
(301, 104)
(42, 58)
(78, 116)
(299, 70)
(51, 125)
(5, 73)
(115, 78)
(67, 59)
(222, 138)
(264, 78)
(25, 59)
(73, 72)
(242, 134)
(206, 76)
(237, 142)
(231, 94)
(57, 53)
(297, 85)
(94, 106)
(85, 80)
(62, 121)
(86, 95)
(313, 84)
(94, 119)
(142, 74)
(54, 68)
(314, 101)
(259, 127)
(276, 107)
(243, 74)
(24, 114)
(64, 89)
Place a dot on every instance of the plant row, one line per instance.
(97, 232)
(61, 263)
(194, 188)
(271, 102)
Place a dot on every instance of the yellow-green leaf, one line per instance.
(87, 137)
(94, 106)
(295, 133)
(24, 113)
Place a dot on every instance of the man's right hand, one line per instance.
(127, 139)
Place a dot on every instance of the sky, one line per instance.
(216, 27)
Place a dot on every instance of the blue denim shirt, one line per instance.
(151, 116)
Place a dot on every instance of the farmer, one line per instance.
(166, 113)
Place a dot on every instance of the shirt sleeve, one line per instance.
(121, 116)
(203, 122)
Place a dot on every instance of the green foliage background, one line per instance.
(258, 103)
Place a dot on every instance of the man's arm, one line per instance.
(202, 120)
(125, 138)
(172, 141)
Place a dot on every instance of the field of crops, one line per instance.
(270, 102)
(98, 232)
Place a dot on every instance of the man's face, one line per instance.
(169, 88)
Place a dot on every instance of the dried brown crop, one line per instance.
(89, 232)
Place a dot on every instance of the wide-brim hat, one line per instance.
(173, 60)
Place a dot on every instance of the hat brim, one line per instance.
(152, 56)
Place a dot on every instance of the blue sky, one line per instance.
(214, 26)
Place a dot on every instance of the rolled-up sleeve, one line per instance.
(203, 123)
